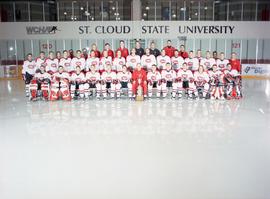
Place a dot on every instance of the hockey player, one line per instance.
(222, 62)
(192, 62)
(177, 61)
(108, 82)
(162, 60)
(92, 82)
(77, 81)
(96, 51)
(118, 61)
(40, 60)
(124, 81)
(216, 83)
(169, 49)
(133, 60)
(28, 72)
(51, 63)
(60, 85)
(65, 61)
(154, 81)
(185, 81)
(199, 55)
(208, 61)
(107, 47)
(93, 60)
(168, 78)
(139, 78)
(40, 84)
(147, 60)
(182, 52)
(232, 81)
(123, 49)
(105, 60)
(78, 61)
(201, 79)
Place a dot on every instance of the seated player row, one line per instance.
(147, 60)
(214, 84)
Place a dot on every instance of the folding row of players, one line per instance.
(202, 83)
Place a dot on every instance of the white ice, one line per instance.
(158, 149)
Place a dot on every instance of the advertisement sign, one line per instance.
(257, 70)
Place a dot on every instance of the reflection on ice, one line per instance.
(199, 119)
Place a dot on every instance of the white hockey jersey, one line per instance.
(78, 62)
(147, 61)
(40, 62)
(222, 64)
(77, 77)
(66, 63)
(201, 77)
(208, 63)
(104, 61)
(118, 63)
(108, 77)
(42, 76)
(51, 65)
(177, 62)
(132, 61)
(168, 75)
(192, 63)
(153, 76)
(93, 77)
(63, 75)
(92, 61)
(215, 75)
(162, 61)
(29, 67)
(185, 75)
(124, 77)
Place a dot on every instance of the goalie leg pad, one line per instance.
(45, 90)
(72, 90)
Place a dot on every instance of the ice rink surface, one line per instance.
(121, 149)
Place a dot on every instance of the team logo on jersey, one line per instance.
(200, 78)
(94, 63)
(124, 78)
(93, 78)
(148, 60)
(207, 64)
(190, 64)
(184, 76)
(133, 60)
(121, 62)
(175, 62)
(31, 66)
(78, 63)
(221, 65)
(153, 78)
(107, 62)
(53, 65)
(67, 64)
(108, 79)
(162, 61)
(78, 79)
(168, 76)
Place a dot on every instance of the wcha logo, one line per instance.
(41, 30)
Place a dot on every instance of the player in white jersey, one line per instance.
(78, 61)
(222, 62)
(124, 82)
(168, 77)
(162, 60)
(118, 62)
(105, 60)
(232, 82)
(39, 86)
(216, 83)
(177, 61)
(51, 63)
(154, 81)
(148, 60)
(108, 82)
(201, 79)
(60, 85)
(93, 60)
(199, 55)
(28, 72)
(65, 61)
(77, 81)
(92, 84)
(192, 62)
(41, 59)
(185, 82)
(208, 61)
(133, 60)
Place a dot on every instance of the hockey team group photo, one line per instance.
(137, 73)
